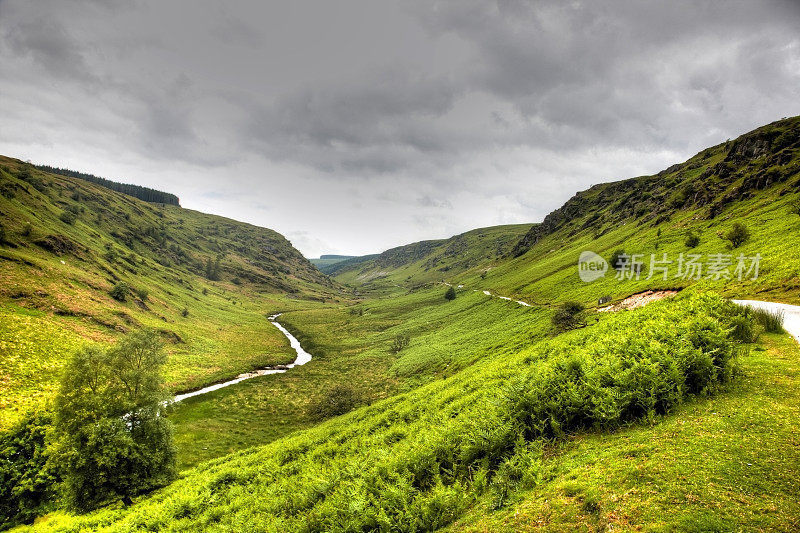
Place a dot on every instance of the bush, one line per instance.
(142, 293)
(120, 291)
(636, 366)
(450, 294)
(569, 315)
(27, 477)
(27, 229)
(185, 312)
(761, 319)
(68, 217)
(616, 257)
(400, 342)
(336, 401)
(737, 235)
(2, 234)
(692, 240)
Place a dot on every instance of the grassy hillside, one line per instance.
(420, 460)
(653, 418)
(205, 282)
(427, 261)
(325, 263)
(753, 180)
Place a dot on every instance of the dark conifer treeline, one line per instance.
(137, 191)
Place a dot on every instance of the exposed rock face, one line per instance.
(748, 147)
(752, 162)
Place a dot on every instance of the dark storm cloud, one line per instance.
(436, 116)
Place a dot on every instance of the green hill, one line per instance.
(205, 282)
(666, 417)
(427, 261)
(325, 262)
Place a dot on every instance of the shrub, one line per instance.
(2, 234)
(142, 293)
(185, 312)
(27, 477)
(68, 217)
(120, 291)
(336, 401)
(616, 259)
(569, 315)
(400, 342)
(737, 235)
(635, 366)
(692, 240)
(27, 229)
(450, 294)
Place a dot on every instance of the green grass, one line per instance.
(417, 460)
(54, 299)
(432, 444)
(725, 464)
(354, 349)
(33, 348)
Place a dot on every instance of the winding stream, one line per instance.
(303, 357)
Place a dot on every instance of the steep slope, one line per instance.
(714, 178)
(204, 281)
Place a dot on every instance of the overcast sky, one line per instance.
(354, 126)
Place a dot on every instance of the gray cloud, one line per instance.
(367, 124)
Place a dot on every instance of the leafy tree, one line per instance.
(27, 477)
(737, 235)
(120, 291)
(450, 294)
(213, 268)
(569, 315)
(114, 440)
